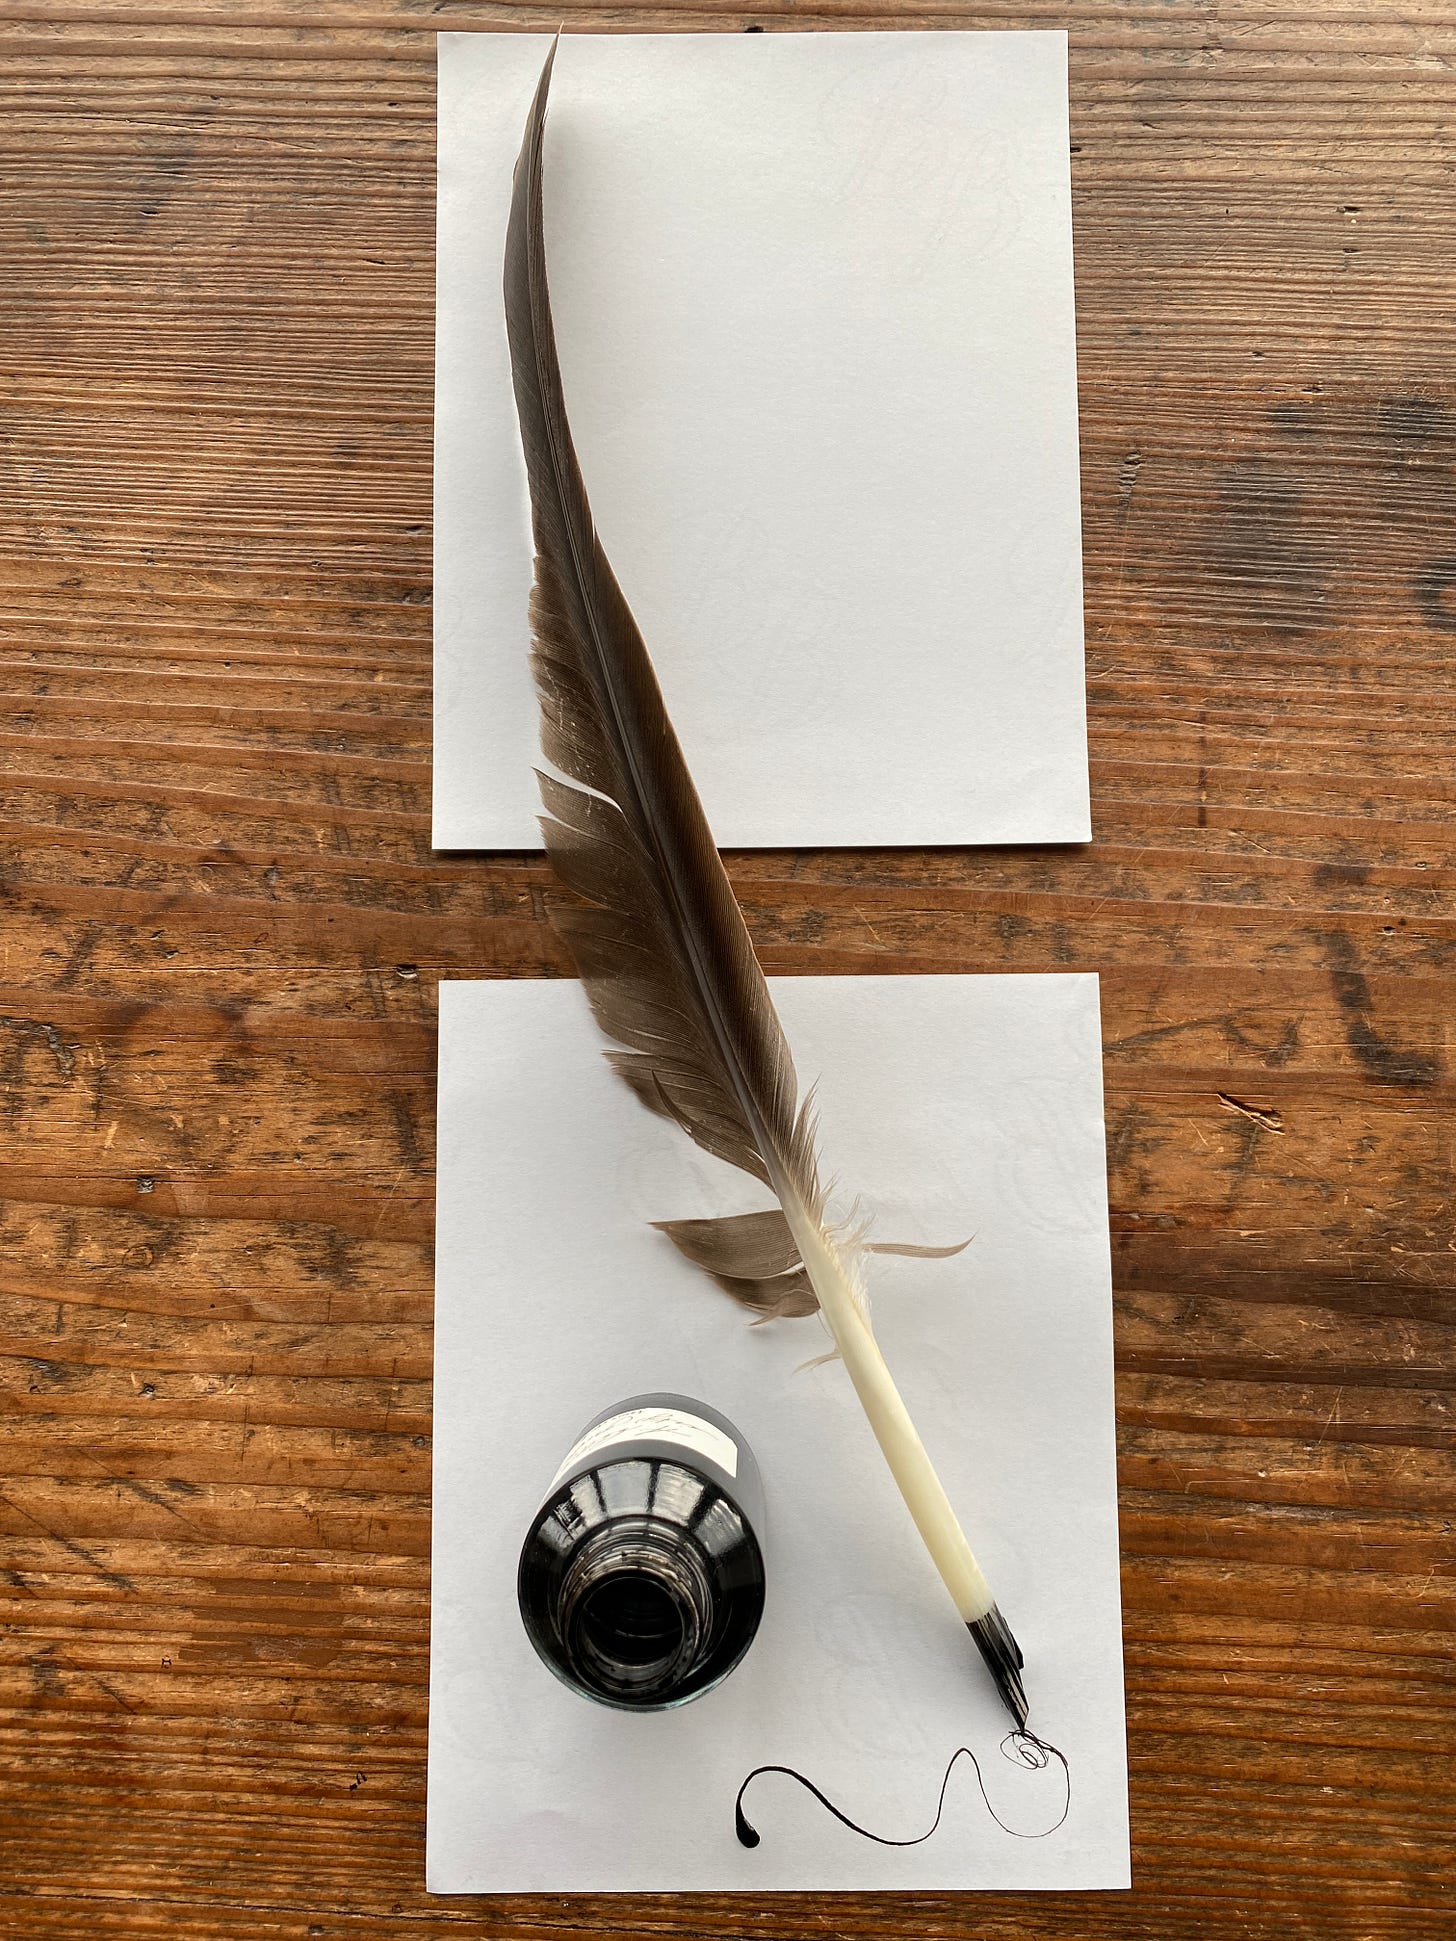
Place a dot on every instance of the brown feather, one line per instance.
(754, 1244)
(657, 935)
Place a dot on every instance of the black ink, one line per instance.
(641, 1581)
(1021, 1747)
(1003, 1659)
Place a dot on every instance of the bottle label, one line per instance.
(689, 1432)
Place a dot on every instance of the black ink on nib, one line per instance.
(1003, 1660)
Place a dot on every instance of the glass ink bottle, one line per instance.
(641, 1580)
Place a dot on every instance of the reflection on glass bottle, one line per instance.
(641, 1579)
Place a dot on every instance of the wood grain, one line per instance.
(223, 925)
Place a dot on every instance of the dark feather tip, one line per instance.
(1003, 1660)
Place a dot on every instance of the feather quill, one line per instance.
(658, 937)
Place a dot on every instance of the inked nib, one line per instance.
(1003, 1660)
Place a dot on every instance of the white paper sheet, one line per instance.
(962, 1104)
(813, 296)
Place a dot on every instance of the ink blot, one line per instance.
(1021, 1747)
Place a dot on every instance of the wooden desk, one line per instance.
(223, 924)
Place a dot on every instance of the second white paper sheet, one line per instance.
(959, 1105)
(813, 296)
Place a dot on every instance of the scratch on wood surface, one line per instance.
(1262, 1115)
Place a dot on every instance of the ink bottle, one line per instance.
(641, 1579)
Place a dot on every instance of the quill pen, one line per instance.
(658, 936)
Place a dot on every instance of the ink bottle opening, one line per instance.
(641, 1580)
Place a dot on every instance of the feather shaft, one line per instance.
(899, 1440)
